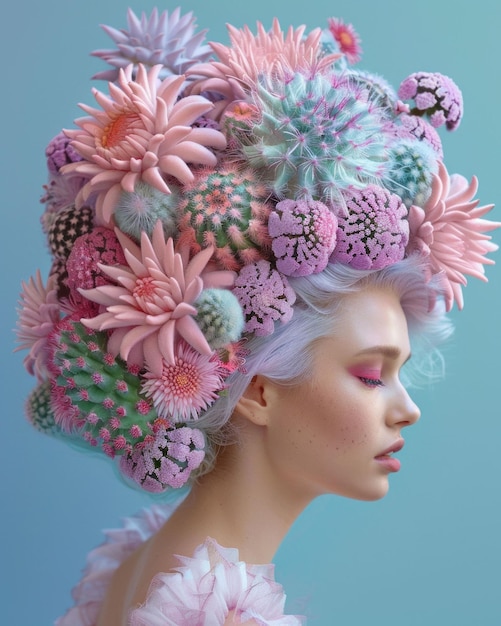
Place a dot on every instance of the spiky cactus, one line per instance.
(111, 411)
(315, 133)
(227, 209)
(219, 317)
(411, 166)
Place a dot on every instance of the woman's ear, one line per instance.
(254, 403)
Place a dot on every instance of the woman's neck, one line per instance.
(242, 503)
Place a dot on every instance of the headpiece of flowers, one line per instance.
(180, 210)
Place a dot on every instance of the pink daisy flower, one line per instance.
(186, 387)
(272, 53)
(347, 39)
(143, 132)
(449, 229)
(152, 303)
(39, 313)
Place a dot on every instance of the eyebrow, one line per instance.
(391, 352)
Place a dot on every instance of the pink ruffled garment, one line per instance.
(201, 592)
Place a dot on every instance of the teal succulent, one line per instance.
(219, 316)
(317, 136)
(410, 170)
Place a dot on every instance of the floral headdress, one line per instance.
(177, 212)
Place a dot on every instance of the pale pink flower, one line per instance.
(271, 53)
(186, 387)
(39, 313)
(142, 133)
(215, 587)
(450, 230)
(152, 303)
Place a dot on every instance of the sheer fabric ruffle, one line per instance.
(203, 591)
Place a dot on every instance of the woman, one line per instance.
(244, 239)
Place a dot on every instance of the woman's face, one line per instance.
(337, 432)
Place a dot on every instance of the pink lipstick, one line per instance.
(390, 463)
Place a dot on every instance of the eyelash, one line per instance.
(371, 382)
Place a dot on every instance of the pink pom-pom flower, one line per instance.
(303, 236)
(265, 296)
(375, 232)
(434, 95)
(167, 461)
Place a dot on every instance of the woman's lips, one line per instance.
(390, 463)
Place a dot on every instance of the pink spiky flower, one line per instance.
(451, 231)
(186, 387)
(143, 132)
(152, 303)
(272, 53)
(39, 313)
(346, 38)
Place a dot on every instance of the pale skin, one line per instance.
(328, 434)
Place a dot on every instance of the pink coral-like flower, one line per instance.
(186, 387)
(152, 303)
(303, 236)
(143, 133)
(39, 313)
(450, 230)
(214, 587)
(167, 461)
(375, 232)
(272, 53)
(347, 39)
(265, 296)
(435, 95)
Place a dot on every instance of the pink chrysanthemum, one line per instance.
(166, 461)
(375, 232)
(450, 229)
(143, 133)
(265, 296)
(272, 53)
(303, 236)
(346, 38)
(186, 387)
(152, 303)
(39, 313)
(434, 95)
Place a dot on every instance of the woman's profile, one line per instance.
(255, 248)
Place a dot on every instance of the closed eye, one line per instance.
(371, 382)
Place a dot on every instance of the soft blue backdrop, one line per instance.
(429, 553)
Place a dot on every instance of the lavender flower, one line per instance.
(265, 297)
(303, 236)
(434, 95)
(375, 232)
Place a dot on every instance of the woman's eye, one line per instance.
(371, 382)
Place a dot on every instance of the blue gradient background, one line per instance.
(429, 553)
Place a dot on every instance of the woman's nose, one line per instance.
(404, 411)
